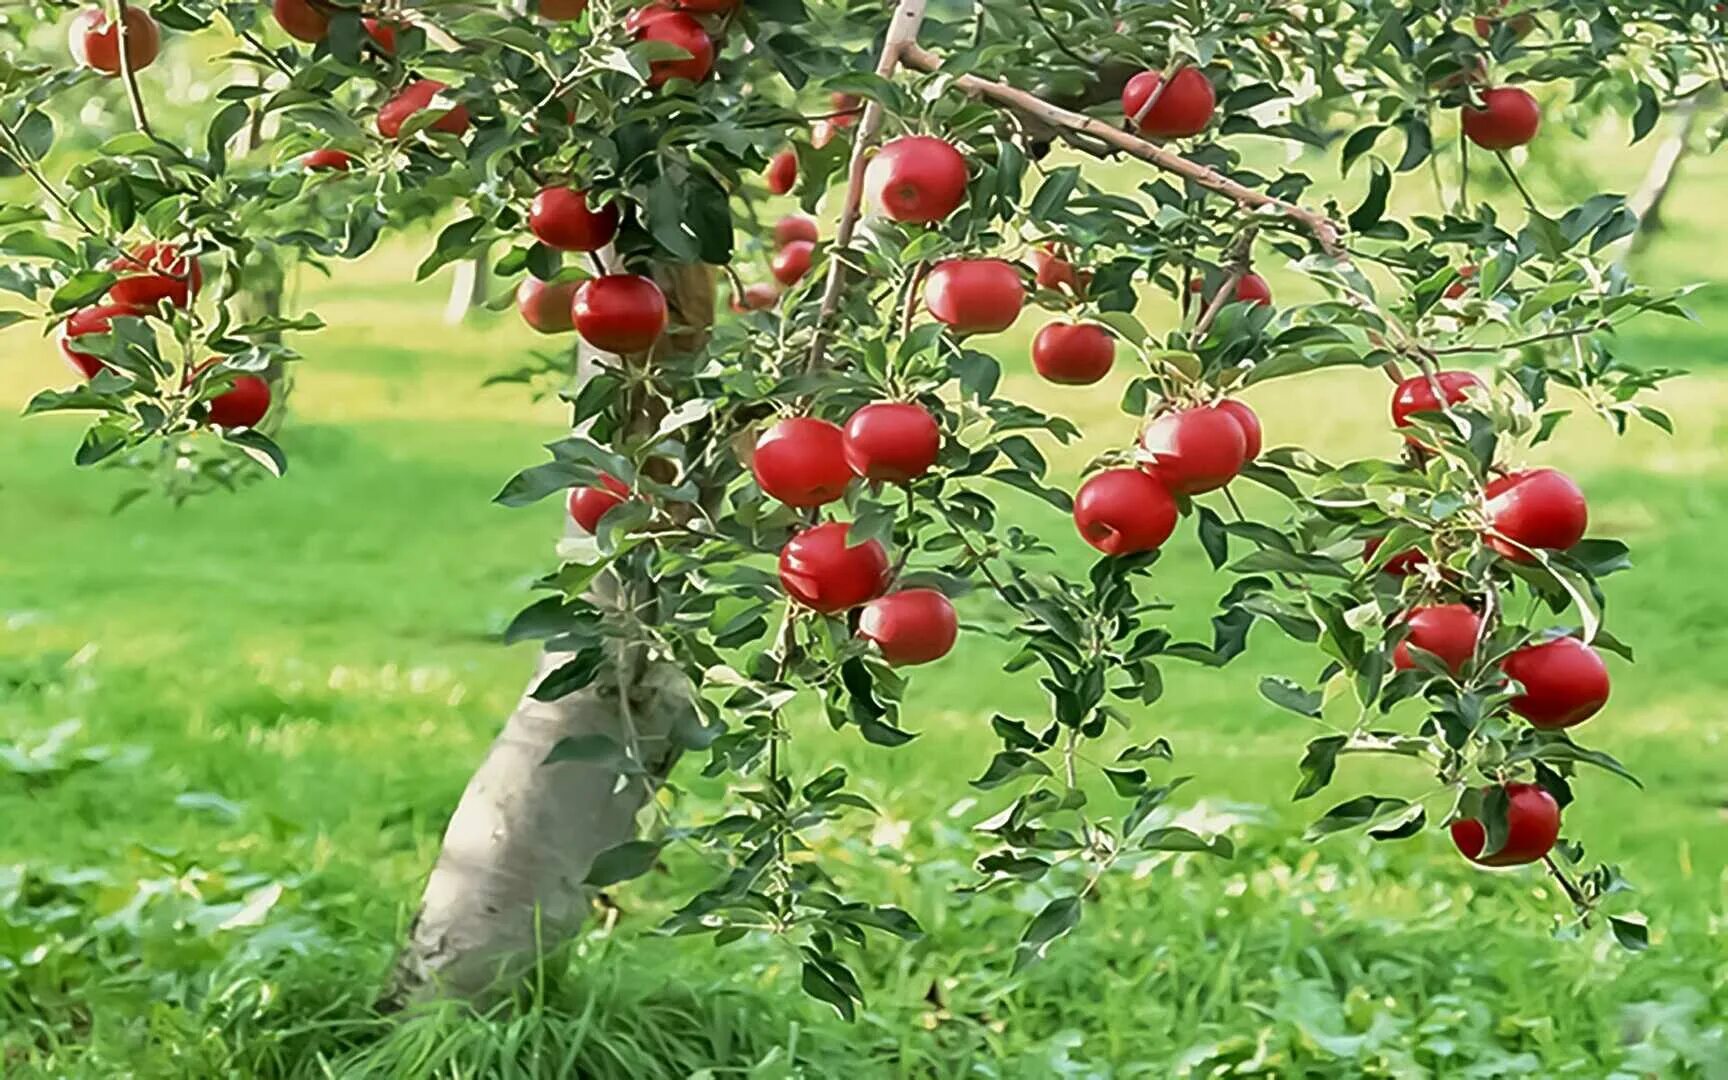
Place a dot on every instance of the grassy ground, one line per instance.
(236, 730)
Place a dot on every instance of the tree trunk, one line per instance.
(467, 288)
(508, 884)
(1647, 201)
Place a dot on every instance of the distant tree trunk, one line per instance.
(1664, 168)
(508, 884)
(467, 288)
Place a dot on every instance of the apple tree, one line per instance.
(772, 507)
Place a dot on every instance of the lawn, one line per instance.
(236, 730)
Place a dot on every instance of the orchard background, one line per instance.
(238, 726)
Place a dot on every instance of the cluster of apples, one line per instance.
(152, 275)
(1564, 681)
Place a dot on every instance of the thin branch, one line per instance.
(1578, 899)
(1529, 200)
(1518, 343)
(1324, 230)
(1050, 28)
(900, 40)
(1176, 64)
(1240, 258)
(130, 77)
(15, 150)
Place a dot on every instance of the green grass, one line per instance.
(279, 694)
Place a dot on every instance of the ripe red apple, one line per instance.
(559, 217)
(546, 306)
(411, 99)
(1532, 826)
(589, 504)
(327, 159)
(90, 320)
(301, 19)
(242, 405)
(707, 7)
(1124, 511)
(756, 297)
(562, 10)
(657, 22)
(620, 313)
(782, 172)
(1521, 24)
(1184, 108)
(1073, 354)
(1449, 631)
(912, 626)
(95, 42)
(1400, 565)
(1249, 423)
(795, 227)
(1565, 682)
(1416, 394)
(1195, 450)
(792, 262)
(1539, 508)
(1509, 117)
(383, 34)
(818, 570)
(975, 296)
(916, 178)
(1457, 289)
(153, 273)
(893, 441)
(1053, 271)
(802, 461)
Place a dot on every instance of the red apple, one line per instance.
(1521, 24)
(975, 296)
(302, 19)
(1540, 508)
(756, 297)
(1532, 826)
(912, 626)
(383, 34)
(242, 405)
(846, 107)
(1402, 564)
(559, 217)
(916, 178)
(792, 262)
(562, 10)
(1073, 354)
(1124, 511)
(153, 273)
(1053, 271)
(589, 504)
(782, 172)
(1251, 288)
(706, 7)
(95, 42)
(802, 461)
(328, 159)
(657, 22)
(893, 441)
(1195, 450)
(818, 570)
(546, 306)
(411, 99)
(1250, 424)
(1184, 108)
(1449, 631)
(1565, 682)
(1509, 117)
(1416, 394)
(1458, 288)
(90, 320)
(795, 227)
(620, 313)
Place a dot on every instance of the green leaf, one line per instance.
(822, 986)
(1354, 813)
(592, 748)
(1633, 933)
(1318, 763)
(1649, 111)
(1289, 694)
(80, 289)
(456, 241)
(1373, 206)
(227, 123)
(1179, 839)
(573, 675)
(1058, 917)
(1053, 194)
(631, 859)
(665, 209)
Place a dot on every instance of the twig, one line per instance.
(1241, 254)
(1176, 64)
(139, 117)
(1518, 343)
(899, 42)
(1049, 28)
(1529, 200)
(910, 306)
(1572, 892)
(15, 150)
(1324, 230)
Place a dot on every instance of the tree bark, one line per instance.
(1647, 201)
(509, 881)
(467, 288)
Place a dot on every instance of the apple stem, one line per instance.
(1324, 230)
(900, 41)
